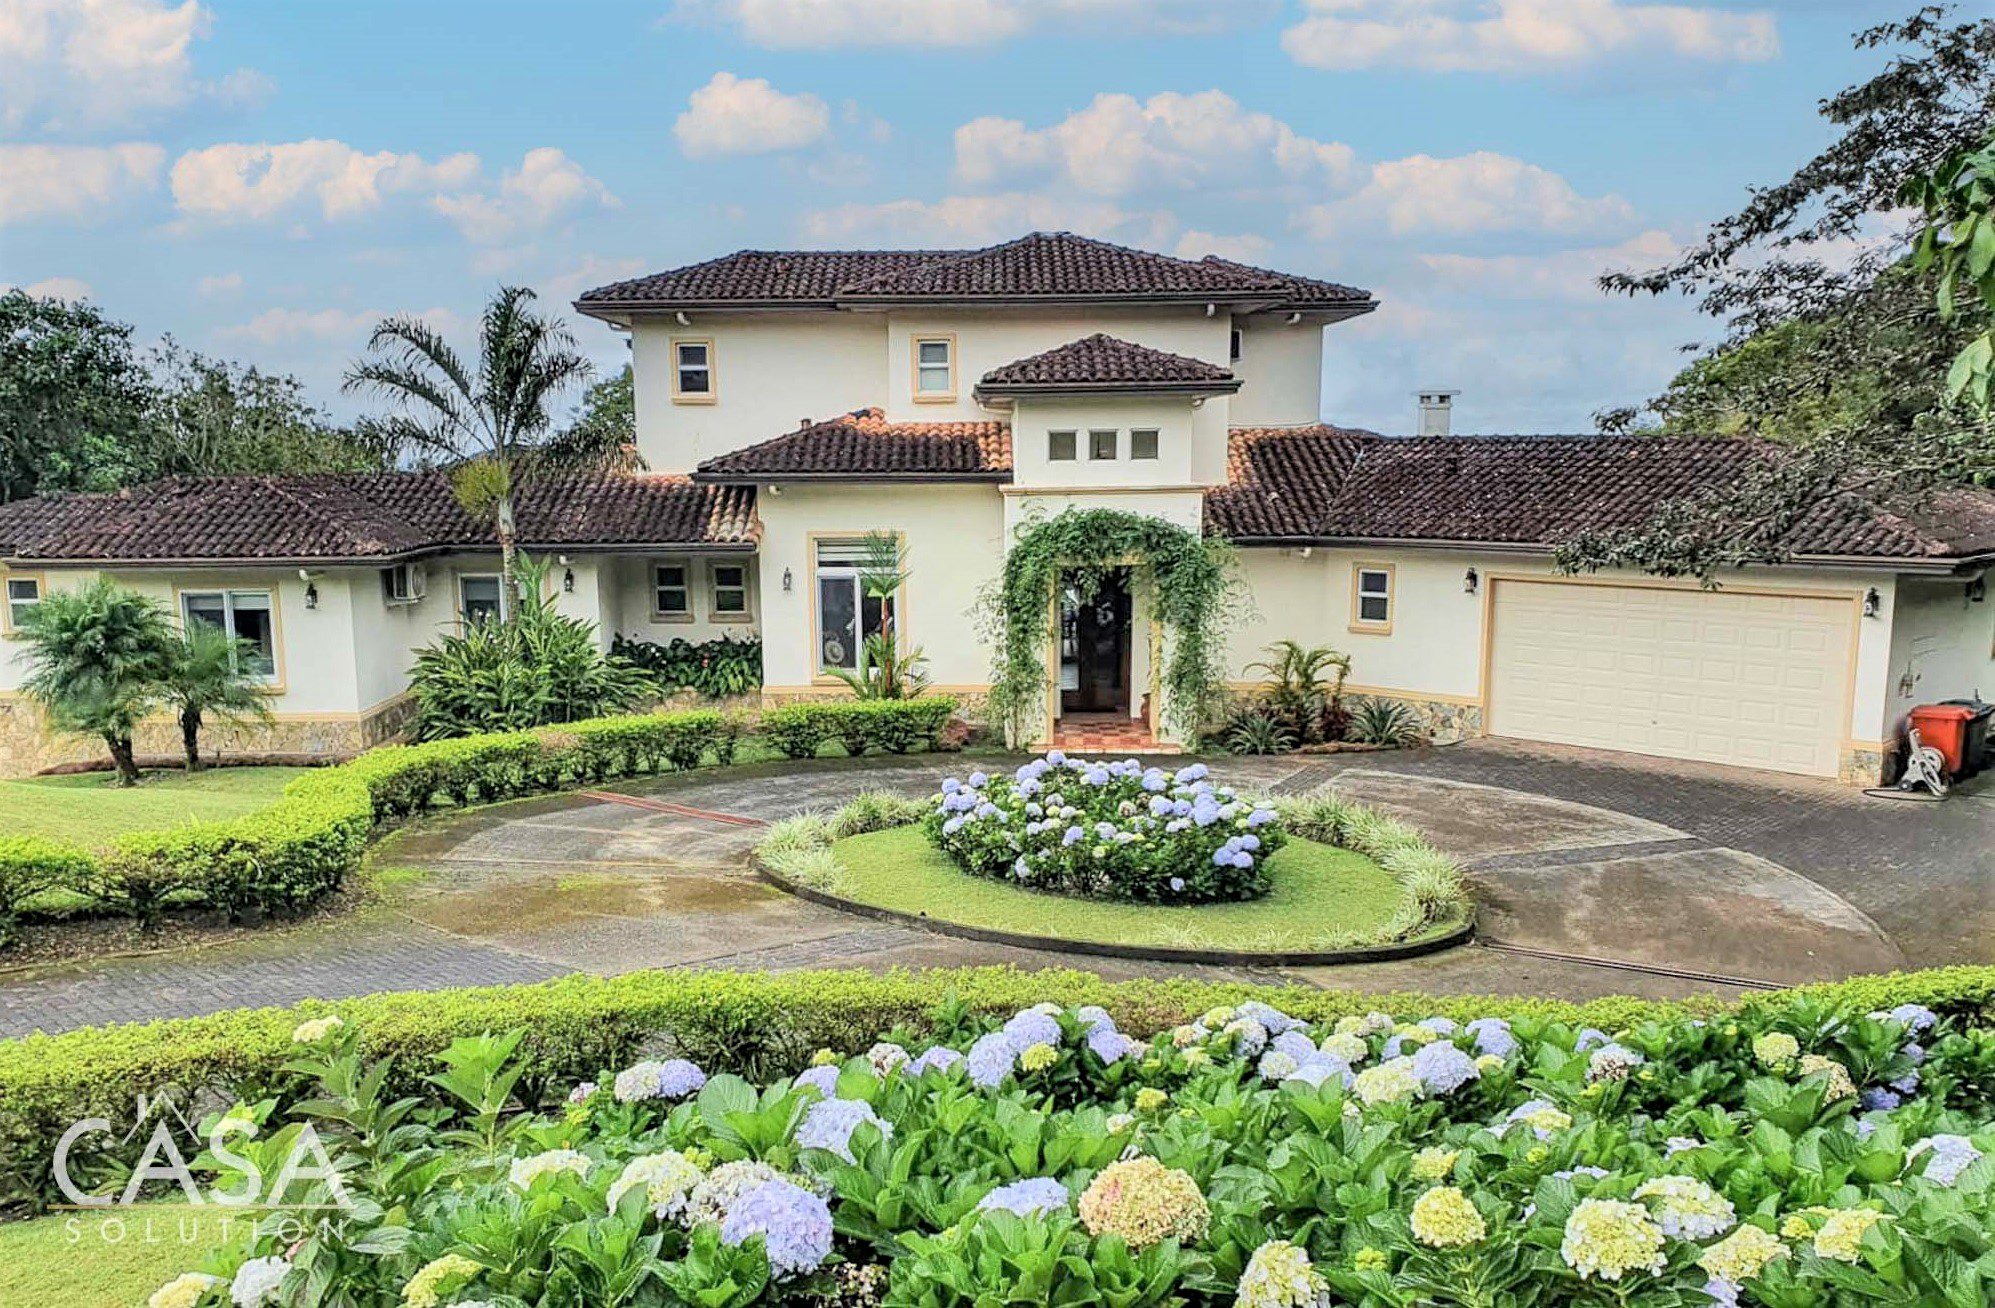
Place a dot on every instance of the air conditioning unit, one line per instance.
(404, 583)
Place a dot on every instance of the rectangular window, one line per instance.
(23, 593)
(1060, 446)
(729, 594)
(671, 592)
(845, 612)
(692, 372)
(934, 367)
(1143, 443)
(1233, 346)
(245, 614)
(1371, 597)
(478, 598)
(1102, 443)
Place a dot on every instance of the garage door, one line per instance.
(1756, 681)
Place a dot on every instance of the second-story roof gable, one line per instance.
(1106, 363)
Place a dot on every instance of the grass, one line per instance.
(88, 808)
(107, 1260)
(1322, 898)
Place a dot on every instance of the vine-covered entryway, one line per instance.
(1191, 588)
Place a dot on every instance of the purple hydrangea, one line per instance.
(1442, 1068)
(795, 1226)
(1154, 781)
(940, 1057)
(1109, 1044)
(1440, 1026)
(1032, 1027)
(824, 1079)
(1296, 1044)
(1320, 1067)
(1590, 1038)
(829, 1124)
(1951, 1155)
(1177, 884)
(1028, 1198)
(1877, 1100)
(675, 1078)
(1915, 1017)
(1092, 1016)
(991, 1059)
(1493, 1036)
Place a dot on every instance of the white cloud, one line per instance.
(817, 24)
(1472, 193)
(746, 115)
(73, 181)
(585, 274)
(53, 288)
(546, 187)
(350, 327)
(238, 182)
(963, 220)
(1559, 275)
(219, 284)
(1119, 145)
(1522, 36)
(80, 62)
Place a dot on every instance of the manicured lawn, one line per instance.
(1323, 898)
(89, 809)
(89, 1260)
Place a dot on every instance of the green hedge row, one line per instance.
(800, 730)
(302, 847)
(760, 1025)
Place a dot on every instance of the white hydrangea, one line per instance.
(1686, 1208)
(315, 1030)
(666, 1178)
(256, 1281)
(525, 1171)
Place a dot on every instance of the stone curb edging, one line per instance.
(1461, 934)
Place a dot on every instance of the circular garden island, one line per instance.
(1115, 858)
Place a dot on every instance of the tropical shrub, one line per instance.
(1108, 831)
(798, 730)
(719, 669)
(97, 659)
(209, 676)
(1304, 690)
(1255, 730)
(1377, 721)
(1793, 1153)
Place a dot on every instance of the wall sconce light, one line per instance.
(568, 580)
(1977, 590)
(1470, 581)
(788, 579)
(311, 594)
(1872, 602)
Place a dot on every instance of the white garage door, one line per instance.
(1756, 681)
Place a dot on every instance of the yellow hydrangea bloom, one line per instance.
(1391, 1082)
(438, 1277)
(1150, 1099)
(1369, 1259)
(310, 1033)
(1145, 1203)
(1840, 1085)
(183, 1291)
(1280, 1275)
(1444, 1218)
(1039, 1057)
(1842, 1233)
(824, 1058)
(1609, 1239)
(1776, 1048)
(1434, 1162)
(1743, 1254)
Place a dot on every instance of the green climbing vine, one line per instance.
(1192, 594)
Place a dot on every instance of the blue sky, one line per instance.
(263, 179)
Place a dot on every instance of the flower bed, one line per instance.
(1104, 830)
(1788, 1154)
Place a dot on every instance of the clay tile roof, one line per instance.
(761, 276)
(363, 516)
(1106, 363)
(1302, 290)
(1280, 481)
(863, 444)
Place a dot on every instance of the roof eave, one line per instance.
(1118, 297)
(716, 477)
(1027, 390)
(1928, 565)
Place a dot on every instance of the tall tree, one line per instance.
(97, 663)
(1834, 340)
(214, 417)
(75, 398)
(604, 434)
(492, 418)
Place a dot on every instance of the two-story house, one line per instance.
(790, 403)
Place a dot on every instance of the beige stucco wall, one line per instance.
(1281, 372)
(1942, 647)
(1191, 442)
(627, 602)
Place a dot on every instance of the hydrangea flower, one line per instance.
(183, 1291)
(1493, 1036)
(1542, 1116)
(1951, 1155)
(1320, 1067)
(1590, 1038)
(675, 1078)
(1350, 1048)
(1391, 1082)
(1612, 1062)
(1037, 1057)
(991, 1059)
(525, 1171)
(1272, 1019)
(1362, 1027)
(666, 1178)
(1742, 1255)
(1608, 1239)
(1150, 1099)
(1028, 1198)
(1280, 1275)
(933, 1058)
(1443, 1069)
(257, 1280)
(315, 1030)
(1248, 1036)
(1840, 1085)
(1093, 1017)
(1686, 1208)
(1841, 1233)
(1296, 1044)
(1277, 1065)
(583, 1092)
(829, 1124)
(711, 1200)
(1109, 1044)
(886, 1058)
(795, 1226)
(1677, 1144)
(1032, 1027)
(1145, 1203)
(1434, 1162)
(438, 1277)
(823, 1079)
(1915, 1018)
(1443, 1218)
(1775, 1049)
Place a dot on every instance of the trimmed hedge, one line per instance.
(894, 725)
(757, 1024)
(302, 848)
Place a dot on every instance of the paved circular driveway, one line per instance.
(1597, 874)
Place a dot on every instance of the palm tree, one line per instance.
(491, 422)
(206, 679)
(97, 662)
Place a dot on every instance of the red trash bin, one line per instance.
(1944, 728)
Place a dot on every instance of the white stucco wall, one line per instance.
(1191, 441)
(955, 544)
(1281, 371)
(1942, 647)
(628, 604)
(770, 371)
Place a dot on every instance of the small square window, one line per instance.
(1102, 443)
(692, 370)
(1060, 446)
(934, 371)
(23, 593)
(1372, 598)
(730, 590)
(671, 594)
(1143, 443)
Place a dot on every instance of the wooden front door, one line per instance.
(1094, 648)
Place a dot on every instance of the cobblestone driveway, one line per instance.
(1598, 874)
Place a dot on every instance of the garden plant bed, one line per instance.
(1325, 907)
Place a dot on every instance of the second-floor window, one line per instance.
(692, 372)
(1060, 446)
(1143, 443)
(1102, 442)
(935, 367)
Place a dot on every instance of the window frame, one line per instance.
(686, 584)
(1156, 435)
(1114, 435)
(273, 684)
(1359, 622)
(895, 608)
(1073, 454)
(715, 613)
(948, 341)
(9, 625)
(1236, 345)
(711, 395)
(498, 593)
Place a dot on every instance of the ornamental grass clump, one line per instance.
(1045, 1156)
(1103, 830)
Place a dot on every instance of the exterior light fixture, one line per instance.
(568, 580)
(788, 579)
(311, 594)
(1977, 590)
(1872, 602)
(1470, 582)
